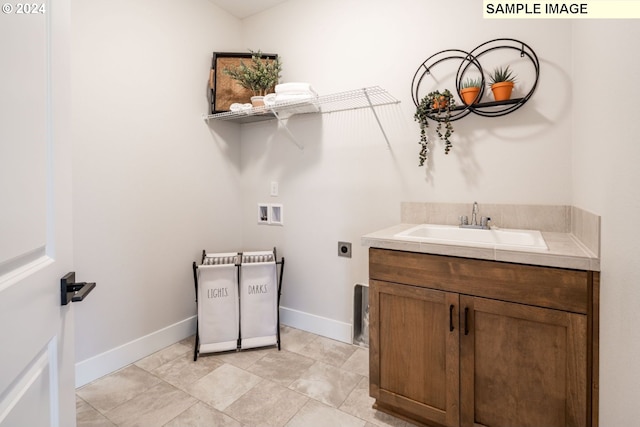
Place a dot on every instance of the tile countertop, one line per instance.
(565, 250)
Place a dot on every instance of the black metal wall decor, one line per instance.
(470, 60)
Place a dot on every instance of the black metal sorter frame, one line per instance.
(238, 266)
(470, 59)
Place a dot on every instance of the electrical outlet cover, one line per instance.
(344, 249)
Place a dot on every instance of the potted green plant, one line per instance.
(437, 106)
(470, 90)
(260, 76)
(501, 81)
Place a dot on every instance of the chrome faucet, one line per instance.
(474, 213)
(484, 221)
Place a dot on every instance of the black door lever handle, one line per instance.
(70, 291)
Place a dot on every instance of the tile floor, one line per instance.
(312, 381)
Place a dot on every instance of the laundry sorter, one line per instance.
(238, 300)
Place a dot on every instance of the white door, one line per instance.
(36, 332)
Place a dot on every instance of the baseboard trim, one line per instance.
(319, 325)
(117, 358)
(105, 363)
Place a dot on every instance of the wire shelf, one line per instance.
(360, 98)
(351, 100)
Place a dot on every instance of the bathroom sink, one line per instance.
(499, 238)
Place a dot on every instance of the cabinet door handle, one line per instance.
(451, 318)
(466, 320)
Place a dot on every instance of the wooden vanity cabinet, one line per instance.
(465, 342)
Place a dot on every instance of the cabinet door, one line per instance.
(414, 352)
(522, 365)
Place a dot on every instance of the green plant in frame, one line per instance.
(260, 76)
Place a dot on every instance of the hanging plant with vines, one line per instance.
(436, 106)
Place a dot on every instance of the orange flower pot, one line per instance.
(502, 90)
(440, 103)
(469, 95)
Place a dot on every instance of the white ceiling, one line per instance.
(244, 8)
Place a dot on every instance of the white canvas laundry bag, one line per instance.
(218, 306)
(258, 300)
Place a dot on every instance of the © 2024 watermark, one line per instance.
(549, 9)
(24, 8)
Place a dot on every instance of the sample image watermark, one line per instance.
(24, 8)
(585, 9)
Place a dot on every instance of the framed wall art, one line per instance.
(224, 89)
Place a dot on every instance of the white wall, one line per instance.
(346, 182)
(606, 155)
(153, 184)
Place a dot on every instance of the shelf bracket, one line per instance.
(282, 124)
(373, 110)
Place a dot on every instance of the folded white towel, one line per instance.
(295, 87)
(272, 99)
(294, 97)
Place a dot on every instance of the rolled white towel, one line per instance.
(240, 107)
